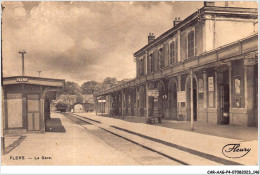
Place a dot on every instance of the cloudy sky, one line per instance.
(81, 41)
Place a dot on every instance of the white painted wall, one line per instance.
(78, 108)
(208, 35)
(223, 31)
(230, 31)
(243, 4)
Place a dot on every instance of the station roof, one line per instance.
(33, 81)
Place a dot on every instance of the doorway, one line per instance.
(189, 100)
(195, 102)
(141, 101)
(151, 105)
(224, 98)
(173, 100)
(33, 112)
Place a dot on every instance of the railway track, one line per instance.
(109, 135)
(174, 152)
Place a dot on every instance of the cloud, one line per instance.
(90, 44)
(82, 41)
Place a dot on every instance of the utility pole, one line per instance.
(2, 94)
(22, 52)
(39, 73)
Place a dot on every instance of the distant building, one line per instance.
(218, 48)
(78, 108)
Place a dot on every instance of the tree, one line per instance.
(71, 88)
(79, 97)
(123, 81)
(90, 87)
(109, 82)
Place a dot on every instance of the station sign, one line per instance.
(21, 79)
(153, 93)
(101, 101)
(14, 96)
(201, 86)
(181, 96)
(210, 84)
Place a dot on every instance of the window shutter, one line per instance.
(137, 66)
(156, 60)
(152, 62)
(140, 66)
(196, 40)
(176, 50)
(166, 55)
(161, 56)
(186, 47)
(148, 63)
(144, 65)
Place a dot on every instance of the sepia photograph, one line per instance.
(130, 83)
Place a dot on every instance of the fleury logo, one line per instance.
(235, 151)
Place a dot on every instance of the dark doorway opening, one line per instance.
(173, 101)
(224, 98)
(151, 106)
(195, 103)
(194, 100)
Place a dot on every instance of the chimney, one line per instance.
(176, 21)
(209, 3)
(151, 37)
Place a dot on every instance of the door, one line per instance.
(33, 112)
(173, 103)
(195, 104)
(151, 105)
(193, 100)
(224, 104)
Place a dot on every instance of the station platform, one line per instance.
(208, 145)
(227, 131)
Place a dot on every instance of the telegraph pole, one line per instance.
(22, 52)
(39, 73)
(2, 93)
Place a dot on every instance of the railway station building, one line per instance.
(26, 103)
(207, 62)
